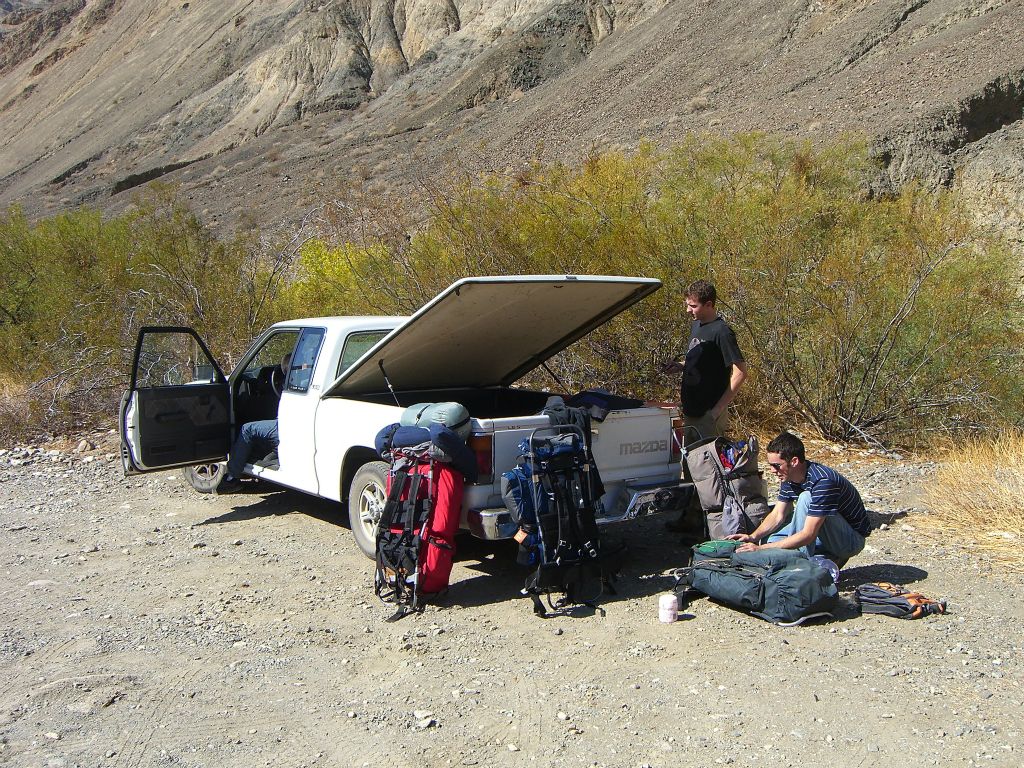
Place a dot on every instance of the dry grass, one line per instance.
(977, 497)
(15, 411)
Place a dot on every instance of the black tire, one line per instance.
(366, 500)
(205, 477)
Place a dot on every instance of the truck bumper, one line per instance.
(491, 524)
(633, 501)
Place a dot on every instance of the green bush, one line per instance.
(77, 287)
(866, 318)
(869, 319)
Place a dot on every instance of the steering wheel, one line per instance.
(277, 381)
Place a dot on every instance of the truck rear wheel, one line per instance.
(366, 499)
(205, 477)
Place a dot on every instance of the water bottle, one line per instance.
(668, 608)
(828, 565)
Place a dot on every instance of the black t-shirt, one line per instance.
(706, 369)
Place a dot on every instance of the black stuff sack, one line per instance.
(782, 586)
(895, 600)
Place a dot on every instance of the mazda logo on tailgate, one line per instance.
(644, 446)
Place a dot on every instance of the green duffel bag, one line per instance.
(782, 586)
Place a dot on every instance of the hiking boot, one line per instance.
(270, 461)
(229, 485)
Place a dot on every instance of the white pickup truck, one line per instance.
(351, 376)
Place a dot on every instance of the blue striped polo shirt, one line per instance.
(831, 494)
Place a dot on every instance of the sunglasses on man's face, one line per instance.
(777, 466)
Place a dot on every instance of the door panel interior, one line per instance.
(182, 425)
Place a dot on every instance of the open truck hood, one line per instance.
(488, 331)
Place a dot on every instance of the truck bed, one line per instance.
(633, 447)
(488, 403)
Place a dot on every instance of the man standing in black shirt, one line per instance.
(713, 368)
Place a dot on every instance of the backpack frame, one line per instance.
(566, 548)
(403, 525)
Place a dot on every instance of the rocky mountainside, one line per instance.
(255, 105)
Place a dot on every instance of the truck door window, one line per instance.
(270, 354)
(304, 358)
(355, 347)
(172, 359)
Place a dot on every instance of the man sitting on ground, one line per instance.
(825, 513)
(255, 437)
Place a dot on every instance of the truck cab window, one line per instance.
(355, 347)
(304, 358)
(270, 354)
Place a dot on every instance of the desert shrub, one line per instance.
(328, 280)
(15, 410)
(986, 515)
(542, 219)
(61, 288)
(77, 287)
(869, 319)
(182, 273)
(876, 319)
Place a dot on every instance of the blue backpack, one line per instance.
(549, 494)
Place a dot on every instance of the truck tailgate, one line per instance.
(630, 447)
(634, 444)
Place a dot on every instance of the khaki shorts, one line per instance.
(705, 426)
(695, 429)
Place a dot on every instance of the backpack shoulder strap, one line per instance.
(393, 506)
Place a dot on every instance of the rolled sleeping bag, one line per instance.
(454, 446)
(382, 442)
(399, 436)
(453, 415)
(412, 416)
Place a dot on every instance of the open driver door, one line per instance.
(177, 411)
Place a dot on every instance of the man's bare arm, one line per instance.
(736, 379)
(774, 520)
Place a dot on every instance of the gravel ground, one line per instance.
(147, 625)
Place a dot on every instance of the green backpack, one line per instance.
(782, 586)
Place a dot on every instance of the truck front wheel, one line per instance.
(366, 499)
(205, 477)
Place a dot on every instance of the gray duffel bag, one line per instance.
(455, 416)
(733, 499)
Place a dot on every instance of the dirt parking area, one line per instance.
(146, 625)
